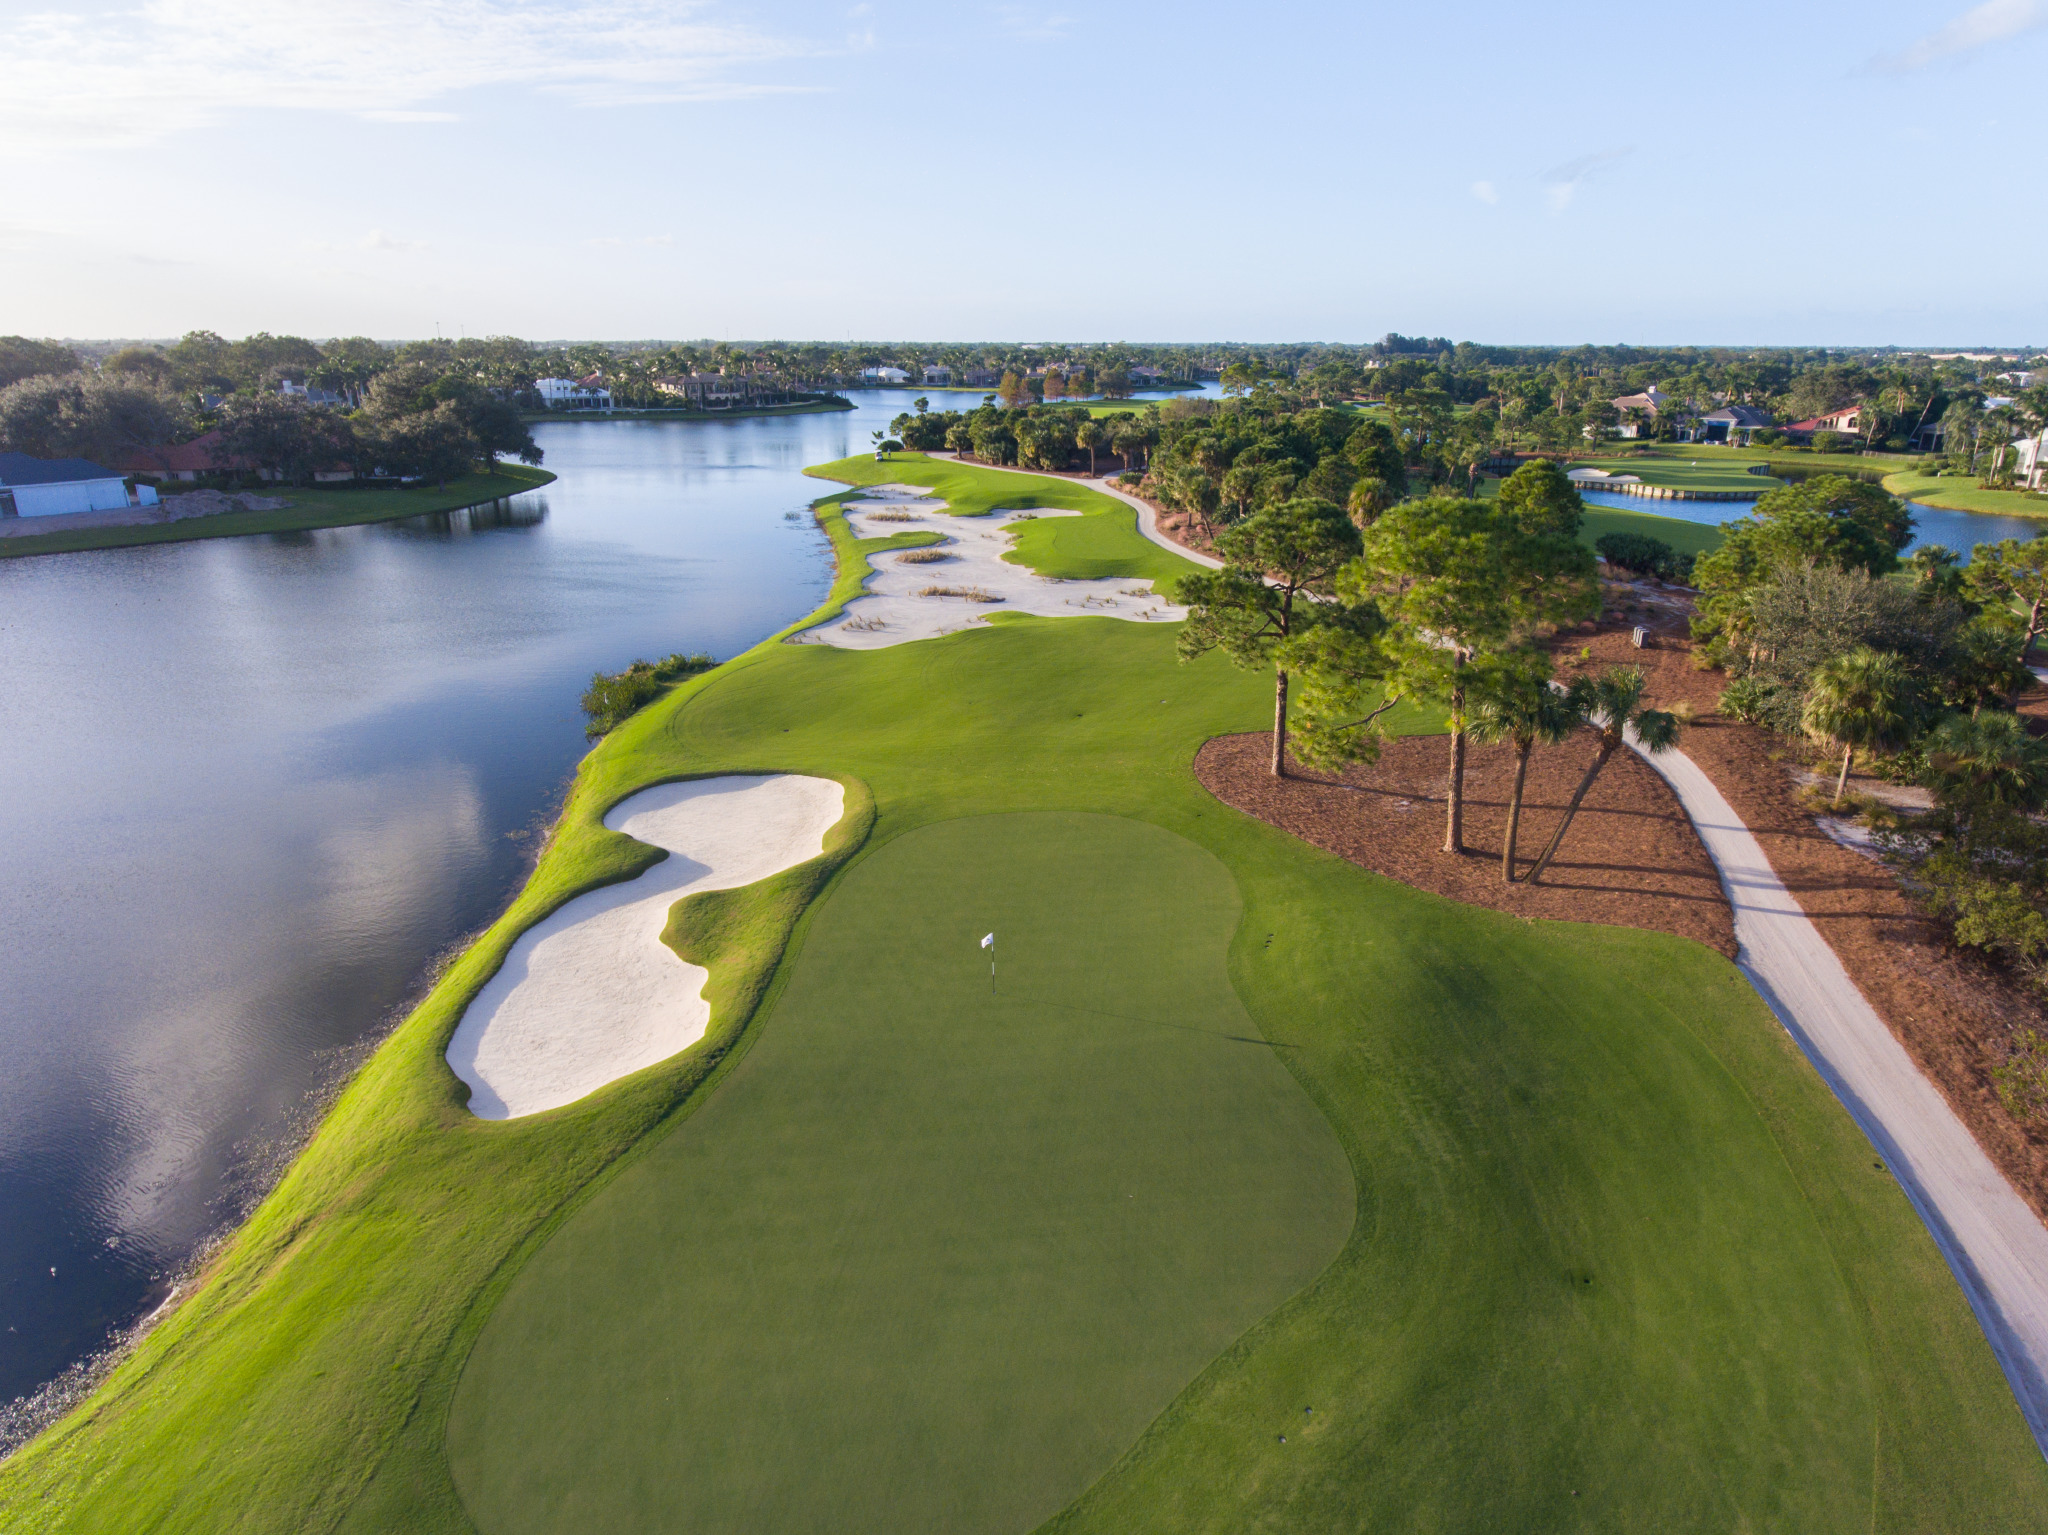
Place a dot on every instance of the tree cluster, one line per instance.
(1437, 601)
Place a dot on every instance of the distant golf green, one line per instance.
(1699, 474)
(940, 1249)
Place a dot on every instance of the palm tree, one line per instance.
(1862, 697)
(1986, 764)
(1528, 711)
(1613, 705)
(1092, 435)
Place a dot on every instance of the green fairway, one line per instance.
(1102, 542)
(1612, 1236)
(328, 506)
(939, 1250)
(1700, 472)
(1686, 537)
(1956, 493)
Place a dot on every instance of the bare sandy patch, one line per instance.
(590, 993)
(918, 600)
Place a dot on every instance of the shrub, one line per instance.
(1644, 555)
(1998, 917)
(922, 556)
(613, 696)
(1749, 698)
(2022, 1077)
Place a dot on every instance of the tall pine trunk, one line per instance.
(1280, 723)
(1578, 795)
(1454, 794)
(1507, 851)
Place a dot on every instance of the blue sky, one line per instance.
(1747, 172)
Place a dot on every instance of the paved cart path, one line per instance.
(1991, 1238)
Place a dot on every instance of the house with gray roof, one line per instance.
(1734, 423)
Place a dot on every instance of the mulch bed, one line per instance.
(1953, 1012)
(1631, 858)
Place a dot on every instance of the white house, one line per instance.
(2031, 461)
(312, 394)
(53, 487)
(884, 376)
(574, 393)
(1650, 403)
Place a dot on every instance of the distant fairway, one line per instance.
(934, 1256)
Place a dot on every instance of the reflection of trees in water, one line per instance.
(521, 511)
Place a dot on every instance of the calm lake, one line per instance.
(1960, 531)
(254, 785)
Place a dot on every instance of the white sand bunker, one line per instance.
(918, 598)
(591, 992)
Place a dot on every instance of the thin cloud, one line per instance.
(1561, 183)
(1483, 190)
(1992, 22)
(1033, 25)
(377, 240)
(124, 77)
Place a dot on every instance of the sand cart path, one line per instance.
(590, 992)
(1993, 1241)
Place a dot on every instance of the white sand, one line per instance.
(591, 993)
(1992, 1240)
(891, 612)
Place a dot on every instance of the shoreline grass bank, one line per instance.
(320, 507)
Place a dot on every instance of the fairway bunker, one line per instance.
(899, 603)
(590, 992)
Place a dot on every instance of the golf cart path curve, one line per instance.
(1993, 1241)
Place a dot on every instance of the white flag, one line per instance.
(989, 942)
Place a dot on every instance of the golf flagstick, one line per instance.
(989, 943)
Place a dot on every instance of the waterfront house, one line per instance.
(938, 374)
(54, 487)
(180, 461)
(574, 393)
(1846, 420)
(981, 378)
(1733, 423)
(720, 391)
(1648, 406)
(884, 376)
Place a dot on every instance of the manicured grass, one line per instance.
(1613, 1236)
(1103, 542)
(1695, 473)
(1685, 537)
(959, 1242)
(320, 507)
(1962, 495)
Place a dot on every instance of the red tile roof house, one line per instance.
(1847, 419)
(189, 460)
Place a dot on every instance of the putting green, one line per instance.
(938, 1251)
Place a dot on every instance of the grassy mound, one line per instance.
(960, 1243)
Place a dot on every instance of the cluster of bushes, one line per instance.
(614, 696)
(1829, 636)
(1642, 555)
(1031, 436)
